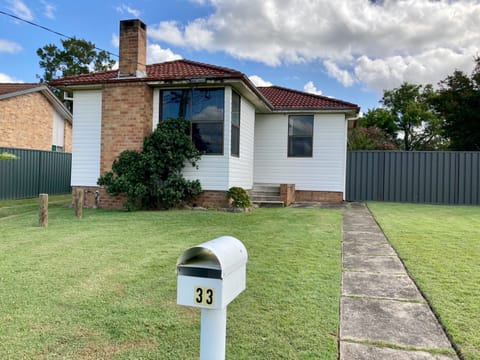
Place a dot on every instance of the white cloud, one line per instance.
(10, 47)
(115, 41)
(342, 76)
(355, 41)
(310, 87)
(155, 54)
(18, 8)
(4, 78)
(49, 9)
(258, 81)
(122, 9)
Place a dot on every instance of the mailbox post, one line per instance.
(209, 276)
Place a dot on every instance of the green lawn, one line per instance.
(440, 246)
(105, 286)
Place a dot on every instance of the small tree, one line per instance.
(152, 179)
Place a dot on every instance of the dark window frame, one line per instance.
(294, 137)
(190, 108)
(235, 146)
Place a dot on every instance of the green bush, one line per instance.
(239, 197)
(152, 178)
(7, 156)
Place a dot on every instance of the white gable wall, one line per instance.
(324, 171)
(86, 133)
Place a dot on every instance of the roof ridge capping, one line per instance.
(202, 64)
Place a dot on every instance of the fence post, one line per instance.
(79, 203)
(43, 210)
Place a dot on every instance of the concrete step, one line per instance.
(265, 198)
(269, 203)
(266, 187)
(254, 193)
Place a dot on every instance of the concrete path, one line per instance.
(382, 313)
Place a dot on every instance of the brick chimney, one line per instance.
(133, 48)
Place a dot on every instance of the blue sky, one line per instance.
(347, 49)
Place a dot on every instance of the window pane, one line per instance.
(235, 145)
(300, 146)
(176, 104)
(300, 125)
(208, 137)
(207, 105)
(235, 109)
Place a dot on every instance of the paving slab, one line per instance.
(365, 227)
(399, 287)
(384, 264)
(361, 236)
(372, 248)
(393, 322)
(353, 351)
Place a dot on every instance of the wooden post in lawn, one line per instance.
(43, 210)
(79, 203)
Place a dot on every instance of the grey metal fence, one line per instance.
(34, 172)
(439, 177)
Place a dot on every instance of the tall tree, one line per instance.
(458, 102)
(76, 57)
(416, 122)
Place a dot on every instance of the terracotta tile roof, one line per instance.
(275, 97)
(7, 88)
(288, 99)
(170, 70)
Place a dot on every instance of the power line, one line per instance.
(51, 30)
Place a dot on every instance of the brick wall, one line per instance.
(320, 196)
(287, 193)
(126, 120)
(212, 199)
(26, 122)
(67, 137)
(96, 196)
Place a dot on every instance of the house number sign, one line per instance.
(204, 296)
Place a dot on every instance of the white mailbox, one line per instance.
(212, 274)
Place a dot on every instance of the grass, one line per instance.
(105, 286)
(440, 246)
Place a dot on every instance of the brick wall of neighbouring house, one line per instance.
(26, 122)
(320, 196)
(126, 120)
(67, 137)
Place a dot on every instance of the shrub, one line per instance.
(7, 156)
(152, 178)
(239, 196)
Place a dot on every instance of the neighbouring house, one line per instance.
(32, 117)
(250, 135)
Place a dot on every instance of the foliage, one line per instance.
(406, 121)
(7, 156)
(153, 179)
(381, 119)
(239, 196)
(458, 102)
(77, 56)
(369, 138)
(416, 121)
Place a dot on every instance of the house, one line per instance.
(32, 117)
(249, 134)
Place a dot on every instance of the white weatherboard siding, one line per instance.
(324, 171)
(57, 129)
(241, 168)
(86, 134)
